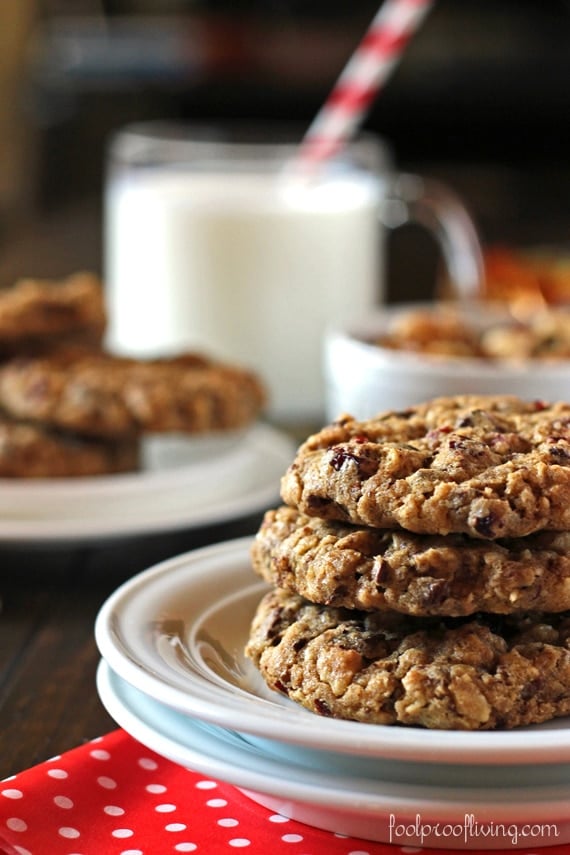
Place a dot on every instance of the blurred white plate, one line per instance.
(362, 808)
(177, 632)
(185, 483)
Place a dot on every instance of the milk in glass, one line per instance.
(246, 267)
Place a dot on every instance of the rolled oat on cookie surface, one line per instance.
(486, 466)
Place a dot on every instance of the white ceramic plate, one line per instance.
(177, 632)
(186, 483)
(353, 806)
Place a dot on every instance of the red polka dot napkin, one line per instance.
(113, 796)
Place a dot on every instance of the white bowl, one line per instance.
(363, 378)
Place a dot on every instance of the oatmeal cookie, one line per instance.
(384, 668)
(444, 332)
(486, 466)
(40, 311)
(109, 396)
(28, 451)
(336, 564)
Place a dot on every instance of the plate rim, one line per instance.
(363, 792)
(265, 719)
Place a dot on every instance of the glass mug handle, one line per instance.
(430, 203)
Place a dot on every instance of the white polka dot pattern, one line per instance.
(12, 794)
(99, 754)
(112, 796)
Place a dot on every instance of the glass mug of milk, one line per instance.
(218, 244)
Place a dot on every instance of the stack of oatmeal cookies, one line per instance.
(68, 408)
(421, 568)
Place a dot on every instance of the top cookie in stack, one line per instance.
(422, 567)
(488, 467)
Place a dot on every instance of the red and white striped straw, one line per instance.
(363, 76)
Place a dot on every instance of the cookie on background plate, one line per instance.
(337, 564)
(486, 466)
(106, 396)
(29, 451)
(385, 668)
(38, 313)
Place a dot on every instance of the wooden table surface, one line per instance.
(48, 657)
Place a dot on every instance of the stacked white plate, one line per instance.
(173, 674)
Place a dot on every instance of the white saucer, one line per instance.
(346, 805)
(186, 483)
(177, 632)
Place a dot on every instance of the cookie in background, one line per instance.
(71, 409)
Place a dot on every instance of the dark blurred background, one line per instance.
(481, 100)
